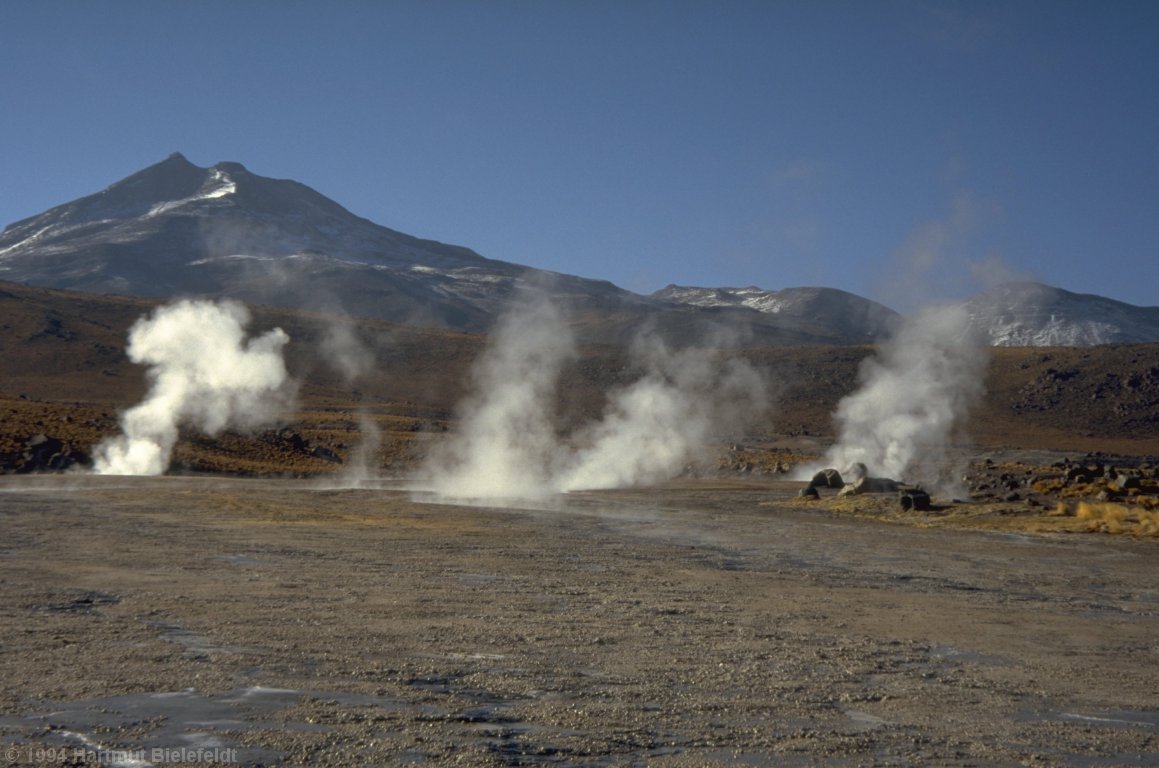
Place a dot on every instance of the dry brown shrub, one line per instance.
(1119, 518)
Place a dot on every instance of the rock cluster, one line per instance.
(857, 481)
(1094, 477)
(43, 453)
(288, 439)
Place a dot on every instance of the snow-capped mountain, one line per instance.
(852, 314)
(1020, 314)
(176, 229)
(1025, 314)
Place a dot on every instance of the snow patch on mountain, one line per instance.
(1026, 314)
(1055, 332)
(177, 229)
(218, 185)
(858, 317)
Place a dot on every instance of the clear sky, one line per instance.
(901, 149)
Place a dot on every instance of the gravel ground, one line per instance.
(212, 621)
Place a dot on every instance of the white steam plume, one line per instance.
(508, 446)
(203, 372)
(914, 396)
(361, 469)
(346, 353)
(344, 350)
(654, 427)
(506, 441)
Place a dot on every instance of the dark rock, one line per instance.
(297, 442)
(915, 499)
(808, 492)
(877, 485)
(827, 478)
(1077, 476)
(1125, 482)
(322, 452)
(42, 453)
(869, 485)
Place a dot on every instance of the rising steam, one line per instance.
(203, 372)
(508, 446)
(655, 426)
(506, 441)
(914, 396)
(346, 353)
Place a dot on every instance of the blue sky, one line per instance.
(903, 149)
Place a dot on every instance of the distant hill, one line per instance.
(847, 313)
(63, 371)
(1025, 314)
(176, 229)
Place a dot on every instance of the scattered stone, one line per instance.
(827, 478)
(1126, 482)
(1078, 476)
(322, 452)
(43, 453)
(914, 499)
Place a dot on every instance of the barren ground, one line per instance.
(701, 623)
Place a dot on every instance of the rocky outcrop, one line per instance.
(914, 499)
(827, 478)
(42, 453)
(869, 485)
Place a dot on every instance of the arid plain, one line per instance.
(264, 604)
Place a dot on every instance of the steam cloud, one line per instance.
(653, 427)
(346, 353)
(914, 396)
(203, 372)
(508, 446)
(507, 442)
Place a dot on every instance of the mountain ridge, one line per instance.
(858, 315)
(175, 229)
(1032, 314)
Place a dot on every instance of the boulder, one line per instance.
(296, 441)
(1082, 474)
(827, 478)
(42, 453)
(1125, 482)
(877, 485)
(808, 492)
(915, 499)
(322, 452)
(869, 485)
